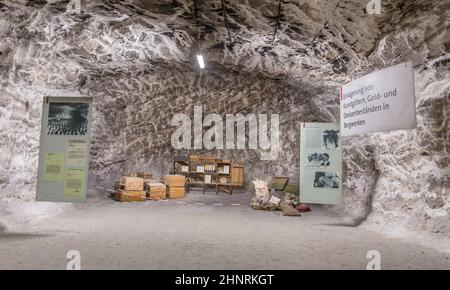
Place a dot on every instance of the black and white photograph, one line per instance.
(318, 160)
(323, 179)
(331, 139)
(67, 119)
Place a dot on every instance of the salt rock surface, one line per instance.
(137, 60)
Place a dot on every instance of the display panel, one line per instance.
(320, 163)
(64, 149)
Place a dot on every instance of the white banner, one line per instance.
(381, 101)
(320, 163)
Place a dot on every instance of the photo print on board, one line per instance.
(67, 118)
(323, 179)
(318, 160)
(331, 139)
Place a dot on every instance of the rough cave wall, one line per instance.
(402, 178)
(139, 72)
(148, 103)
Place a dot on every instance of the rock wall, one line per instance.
(137, 60)
(401, 179)
(149, 102)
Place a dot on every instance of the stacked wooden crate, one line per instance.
(147, 176)
(155, 190)
(130, 189)
(175, 185)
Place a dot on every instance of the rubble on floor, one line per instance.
(276, 200)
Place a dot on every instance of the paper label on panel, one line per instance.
(54, 166)
(76, 152)
(74, 183)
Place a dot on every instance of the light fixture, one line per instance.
(201, 63)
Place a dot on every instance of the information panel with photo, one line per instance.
(67, 118)
(320, 163)
(64, 149)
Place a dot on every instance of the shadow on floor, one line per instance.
(15, 236)
(350, 225)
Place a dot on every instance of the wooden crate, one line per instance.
(279, 183)
(156, 191)
(237, 175)
(206, 158)
(144, 175)
(130, 196)
(132, 183)
(176, 192)
(175, 180)
(292, 188)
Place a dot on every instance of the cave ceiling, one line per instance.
(308, 40)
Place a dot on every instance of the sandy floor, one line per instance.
(192, 235)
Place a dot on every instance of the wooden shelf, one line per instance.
(212, 162)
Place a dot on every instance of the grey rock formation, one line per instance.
(137, 60)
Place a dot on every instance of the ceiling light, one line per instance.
(201, 63)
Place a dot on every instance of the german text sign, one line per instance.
(380, 101)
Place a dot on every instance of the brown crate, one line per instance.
(176, 192)
(117, 185)
(157, 195)
(202, 158)
(130, 196)
(144, 175)
(194, 157)
(151, 181)
(154, 186)
(132, 183)
(141, 193)
(279, 182)
(174, 180)
(237, 175)
(208, 158)
(156, 191)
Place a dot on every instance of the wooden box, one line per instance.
(237, 175)
(202, 158)
(279, 183)
(176, 192)
(292, 188)
(132, 183)
(144, 175)
(156, 191)
(130, 196)
(175, 180)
